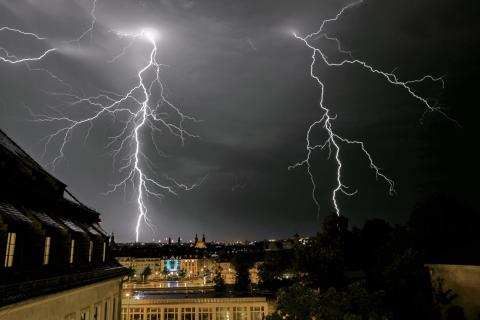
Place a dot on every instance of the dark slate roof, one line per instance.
(72, 226)
(89, 228)
(12, 213)
(100, 229)
(11, 146)
(47, 220)
(18, 152)
(80, 207)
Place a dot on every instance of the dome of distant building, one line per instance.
(200, 244)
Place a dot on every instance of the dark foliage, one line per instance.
(219, 286)
(147, 271)
(378, 271)
(300, 302)
(242, 263)
(445, 231)
(276, 270)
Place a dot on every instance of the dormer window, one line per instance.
(72, 250)
(90, 251)
(11, 238)
(46, 251)
(104, 251)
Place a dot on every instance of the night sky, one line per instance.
(236, 66)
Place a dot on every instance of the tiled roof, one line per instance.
(12, 213)
(47, 220)
(72, 226)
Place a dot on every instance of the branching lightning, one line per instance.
(141, 113)
(334, 141)
(143, 107)
(5, 56)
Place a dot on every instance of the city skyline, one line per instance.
(237, 68)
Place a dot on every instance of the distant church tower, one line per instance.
(200, 244)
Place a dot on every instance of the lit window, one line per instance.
(72, 250)
(239, 313)
(154, 313)
(114, 308)
(84, 314)
(104, 251)
(90, 251)
(188, 313)
(105, 311)
(11, 237)
(170, 314)
(222, 313)
(256, 313)
(95, 312)
(205, 314)
(46, 251)
(136, 314)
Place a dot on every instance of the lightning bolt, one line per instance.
(334, 141)
(142, 112)
(144, 106)
(5, 56)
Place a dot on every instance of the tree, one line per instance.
(445, 230)
(146, 272)
(242, 264)
(272, 269)
(299, 302)
(455, 313)
(296, 302)
(443, 301)
(319, 265)
(131, 272)
(322, 261)
(219, 282)
(408, 287)
(356, 302)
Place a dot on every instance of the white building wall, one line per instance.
(464, 280)
(83, 303)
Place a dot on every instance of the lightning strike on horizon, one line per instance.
(136, 104)
(333, 141)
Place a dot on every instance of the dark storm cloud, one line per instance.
(236, 66)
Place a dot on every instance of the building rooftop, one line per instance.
(48, 242)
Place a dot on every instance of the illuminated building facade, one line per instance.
(163, 268)
(190, 269)
(56, 258)
(196, 307)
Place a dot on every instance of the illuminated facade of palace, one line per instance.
(195, 270)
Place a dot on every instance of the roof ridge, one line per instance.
(22, 154)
